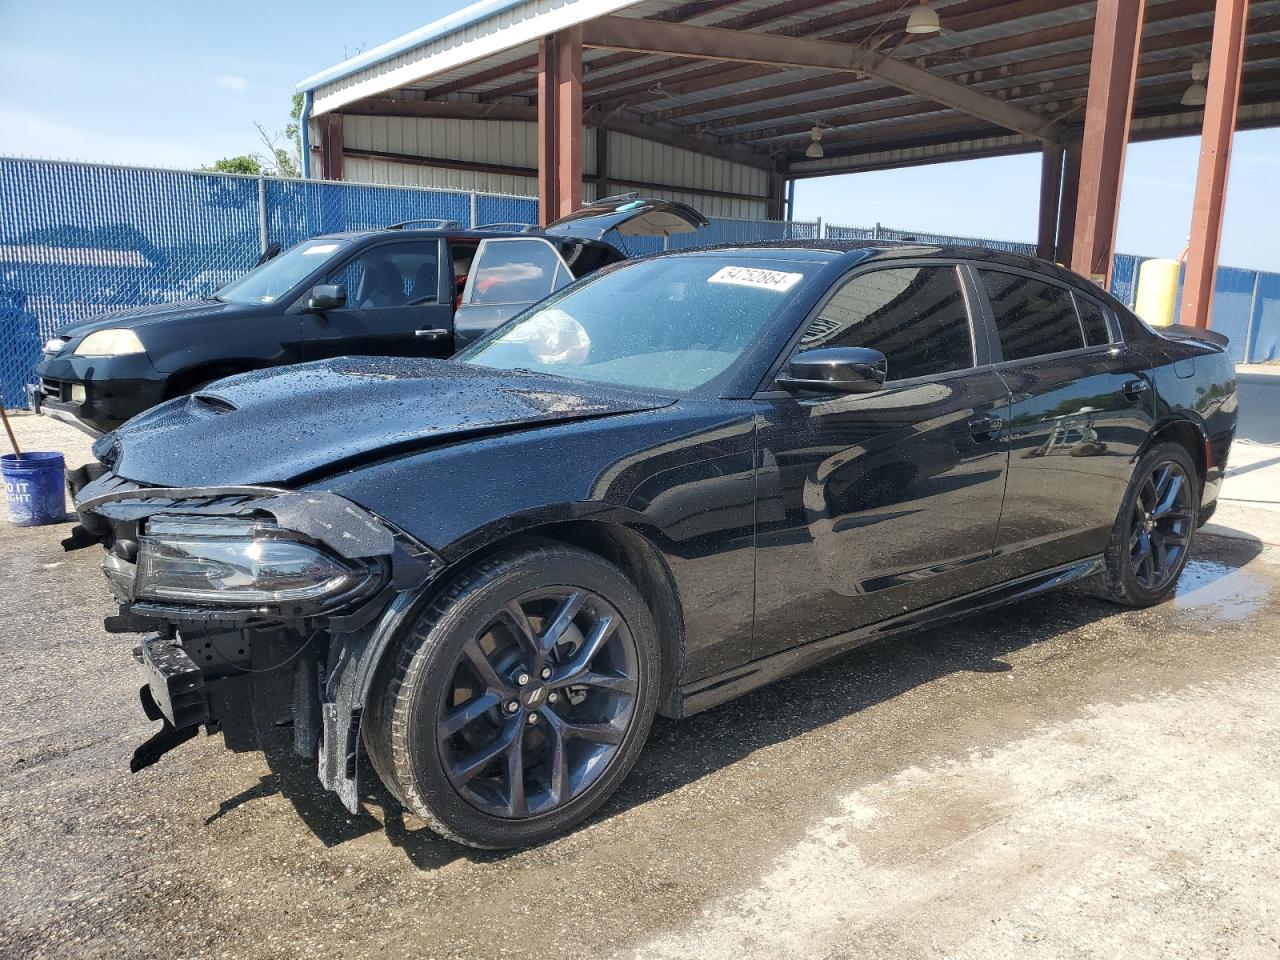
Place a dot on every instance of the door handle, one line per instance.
(431, 333)
(985, 428)
(1136, 388)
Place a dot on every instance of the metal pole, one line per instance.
(822, 229)
(262, 214)
(1255, 316)
(475, 204)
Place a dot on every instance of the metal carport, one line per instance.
(715, 102)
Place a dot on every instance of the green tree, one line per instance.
(245, 163)
(282, 150)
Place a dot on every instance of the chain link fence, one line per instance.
(78, 240)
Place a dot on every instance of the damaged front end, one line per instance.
(241, 592)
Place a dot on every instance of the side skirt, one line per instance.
(712, 691)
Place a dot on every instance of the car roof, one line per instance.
(864, 251)
(448, 233)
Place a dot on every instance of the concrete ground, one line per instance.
(1059, 779)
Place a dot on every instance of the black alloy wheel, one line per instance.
(1154, 529)
(539, 702)
(519, 698)
(1160, 529)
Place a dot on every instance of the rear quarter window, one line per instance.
(1033, 317)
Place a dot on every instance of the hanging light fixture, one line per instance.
(1196, 93)
(814, 150)
(924, 19)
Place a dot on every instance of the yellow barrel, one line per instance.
(1157, 291)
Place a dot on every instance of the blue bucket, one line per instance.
(33, 485)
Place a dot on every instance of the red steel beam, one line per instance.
(1226, 59)
(1112, 78)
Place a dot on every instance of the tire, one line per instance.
(449, 730)
(1153, 533)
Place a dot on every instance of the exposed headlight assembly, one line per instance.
(236, 561)
(110, 343)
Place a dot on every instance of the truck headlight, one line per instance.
(110, 343)
(231, 560)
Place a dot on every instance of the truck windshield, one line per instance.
(671, 324)
(276, 277)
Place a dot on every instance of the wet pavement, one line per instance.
(1061, 778)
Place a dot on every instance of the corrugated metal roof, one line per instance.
(1031, 52)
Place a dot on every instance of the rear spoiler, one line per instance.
(1179, 331)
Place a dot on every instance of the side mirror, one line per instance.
(836, 370)
(326, 296)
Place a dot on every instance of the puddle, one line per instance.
(1227, 593)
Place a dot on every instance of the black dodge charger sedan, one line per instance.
(671, 482)
(415, 289)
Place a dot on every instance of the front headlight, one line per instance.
(110, 343)
(228, 560)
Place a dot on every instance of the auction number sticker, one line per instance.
(775, 280)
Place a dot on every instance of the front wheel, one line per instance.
(520, 699)
(1152, 535)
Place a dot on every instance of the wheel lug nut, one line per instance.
(546, 673)
(533, 718)
(522, 679)
(552, 697)
(511, 706)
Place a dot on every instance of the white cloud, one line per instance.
(33, 136)
(230, 81)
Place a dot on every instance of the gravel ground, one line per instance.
(1058, 779)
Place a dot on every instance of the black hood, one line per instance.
(281, 424)
(136, 317)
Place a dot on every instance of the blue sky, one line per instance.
(176, 84)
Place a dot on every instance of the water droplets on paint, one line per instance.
(1226, 593)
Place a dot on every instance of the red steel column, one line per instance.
(1225, 61)
(1117, 33)
(548, 185)
(1050, 197)
(1070, 198)
(559, 124)
(331, 146)
(569, 120)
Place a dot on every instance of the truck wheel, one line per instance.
(519, 699)
(1152, 535)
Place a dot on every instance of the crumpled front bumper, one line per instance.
(203, 664)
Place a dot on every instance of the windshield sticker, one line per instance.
(319, 248)
(753, 277)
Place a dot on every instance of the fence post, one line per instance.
(822, 229)
(262, 214)
(1255, 316)
(875, 231)
(475, 206)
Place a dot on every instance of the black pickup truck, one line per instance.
(417, 289)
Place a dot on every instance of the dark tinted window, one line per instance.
(1033, 317)
(1094, 320)
(516, 271)
(392, 275)
(915, 316)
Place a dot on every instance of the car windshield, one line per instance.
(671, 324)
(271, 281)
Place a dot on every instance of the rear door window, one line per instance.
(515, 270)
(915, 316)
(1033, 317)
(1093, 318)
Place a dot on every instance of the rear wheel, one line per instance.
(520, 699)
(1152, 535)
